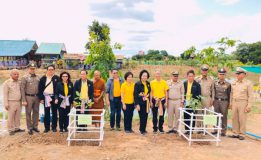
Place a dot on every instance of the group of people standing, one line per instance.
(59, 94)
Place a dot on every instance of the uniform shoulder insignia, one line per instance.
(233, 82)
(211, 77)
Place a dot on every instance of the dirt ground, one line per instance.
(118, 145)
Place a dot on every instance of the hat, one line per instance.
(175, 73)
(222, 71)
(204, 67)
(31, 65)
(240, 70)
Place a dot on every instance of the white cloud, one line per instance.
(176, 24)
(227, 2)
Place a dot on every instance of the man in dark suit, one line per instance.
(83, 93)
(192, 90)
(46, 90)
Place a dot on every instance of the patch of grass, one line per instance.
(256, 109)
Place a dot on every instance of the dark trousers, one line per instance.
(187, 117)
(54, 109)
(143, 117)
(63, 117)
(222, 107)
(115, 105)
(155, 111)
(128, 114)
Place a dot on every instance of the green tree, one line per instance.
(217, 56)
(164, 53)
(100, 55)
(189, 53)
(249, 53)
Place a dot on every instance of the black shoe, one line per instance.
(223, 134)
(46, 130)
(161, 131)
(36, 130)
(142, 133)
(241, 138)
(175, 132)
(61, 131)
(187, 133)
(11, 133)
(215, 132)
(155, 131)
(65, 130)
(170, 131)
(234, 136)
(54, 130)
(30, 132)
(145, 132)
(20, 130)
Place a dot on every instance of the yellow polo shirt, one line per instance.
(159, 88)
(116, 88)
(128, 92)
(188, 95)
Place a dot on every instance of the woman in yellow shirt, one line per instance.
(64, 99)
(127, 98)
(142, 99)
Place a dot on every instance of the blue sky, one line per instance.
(173, 25)
(246, 7)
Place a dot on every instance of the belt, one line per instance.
(239, 100)
(221, 99)
(174, 99)
(32, 95)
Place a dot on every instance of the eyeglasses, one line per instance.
(115, 73)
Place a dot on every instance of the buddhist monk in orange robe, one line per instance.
(99, 88)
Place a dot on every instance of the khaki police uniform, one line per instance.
(175, 101)
(205, 84)
(29, 88)
(241, 101)
(12, 102)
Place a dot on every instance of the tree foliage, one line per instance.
(101, 55)
(189, 53)
(248, 53)
(154, 55)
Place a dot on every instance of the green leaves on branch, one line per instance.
(101, 55)
(194, 103)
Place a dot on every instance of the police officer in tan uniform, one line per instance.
(12, 102)
(29, 88)
(205, 82)
(175, 101)
(241, 101)
(221, 90)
